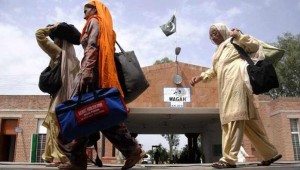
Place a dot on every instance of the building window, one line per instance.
(38, 142)
(295, 138)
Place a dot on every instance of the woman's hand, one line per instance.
(195, 80)
(86, 79)
(235, 32)
(54, 26)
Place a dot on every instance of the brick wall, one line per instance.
(276, 120)
(160, 76)
(24, 108)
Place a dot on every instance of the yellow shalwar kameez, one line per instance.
(69, 68)
(237, 111)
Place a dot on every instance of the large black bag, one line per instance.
(67, 32)
(262, 75)
(130, 74)
(50, 79)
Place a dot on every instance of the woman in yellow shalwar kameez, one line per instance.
(237, 111)
(64, 51)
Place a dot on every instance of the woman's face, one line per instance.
(89, 11)
(215, 35)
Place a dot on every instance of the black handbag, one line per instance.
(262, 75)
(50, 79)
(130, 75)
(67, 32)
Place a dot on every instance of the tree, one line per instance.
(288, 68)
(173, 141)
(184, 155)
(163, 153)
(162, 61)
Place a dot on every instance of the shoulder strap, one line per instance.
(242, 52)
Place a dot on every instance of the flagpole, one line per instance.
(176, 36)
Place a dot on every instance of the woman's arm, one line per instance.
(46, 45)
(91, 51)
(247, 42)
(204, 76)
(208, 74)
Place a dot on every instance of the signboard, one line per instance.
(177, 96)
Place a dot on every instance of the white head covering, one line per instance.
(223, 30)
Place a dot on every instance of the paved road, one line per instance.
(284, 165)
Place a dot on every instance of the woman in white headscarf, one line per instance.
(63, 51)
(237, 111)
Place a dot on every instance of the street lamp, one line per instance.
(177, 79)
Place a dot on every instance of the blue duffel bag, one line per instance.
(91, 112)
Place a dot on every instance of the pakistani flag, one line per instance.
(170, 27)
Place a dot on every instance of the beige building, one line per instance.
(167, 106)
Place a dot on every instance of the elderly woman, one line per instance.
(98, 69)
(63, 52)
(237, 111)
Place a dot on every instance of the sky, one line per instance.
(137, 25)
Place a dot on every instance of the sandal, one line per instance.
(53, 164)
(222, 165)
(132, 160)
(269, 162)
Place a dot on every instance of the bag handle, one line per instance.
(122, 51)
(242, 52)
(120, 47)
(79, 92)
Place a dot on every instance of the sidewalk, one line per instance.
(281, 165)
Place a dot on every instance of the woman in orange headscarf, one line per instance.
(98, 68)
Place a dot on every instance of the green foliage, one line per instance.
(163, 153)
(186, 158)
(184, 155)
(173, 141)
(162, 61)
(288, 68)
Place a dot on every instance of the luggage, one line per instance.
(50, 79)
(67, 32)
(90, 112)
(130, 74)
(262, 75)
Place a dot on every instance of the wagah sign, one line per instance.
(177, 96)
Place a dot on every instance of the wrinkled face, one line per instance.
(215, 35)
(89, 11)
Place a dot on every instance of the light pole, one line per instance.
(177, 79)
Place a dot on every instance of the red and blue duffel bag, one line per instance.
(90, 112)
